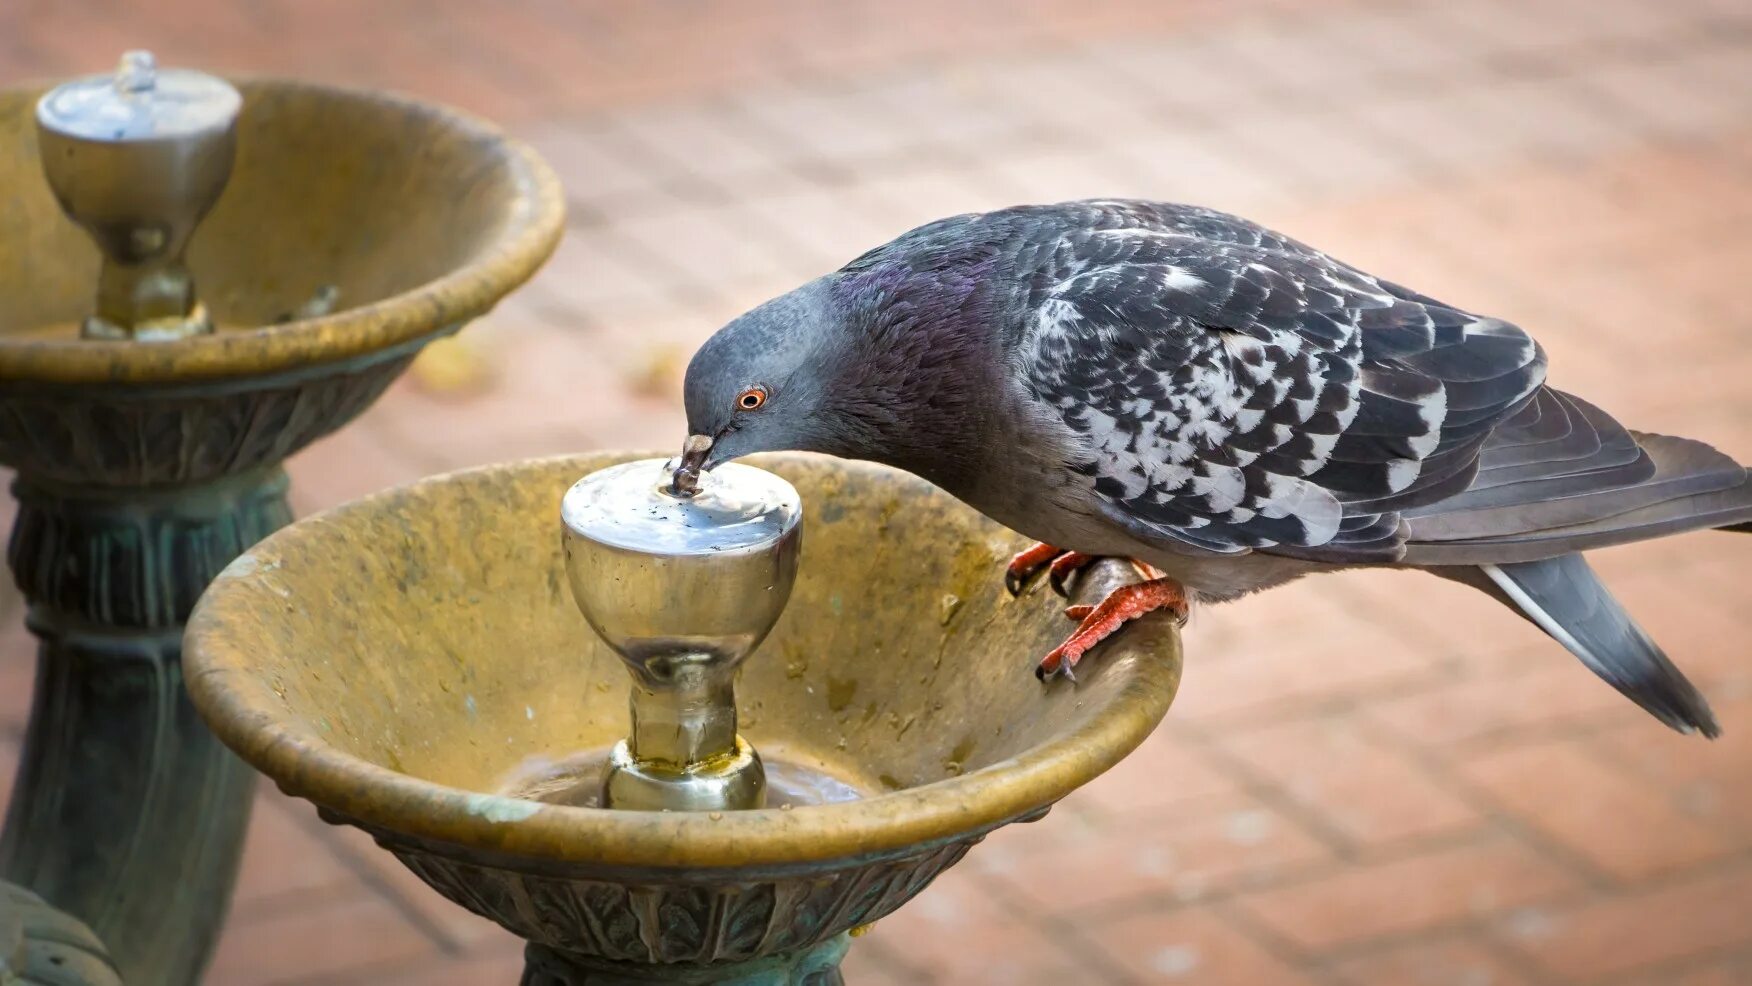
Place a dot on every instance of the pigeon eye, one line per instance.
(752, 398)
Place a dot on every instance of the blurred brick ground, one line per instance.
(1372, 779)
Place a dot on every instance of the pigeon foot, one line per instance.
(1027, 564)
(1126, 603)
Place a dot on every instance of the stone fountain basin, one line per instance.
(397, 660)
(419, 216)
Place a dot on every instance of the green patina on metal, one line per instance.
(814, 966)
(145, 467)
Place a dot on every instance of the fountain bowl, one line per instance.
(409, 661)
(353, 228)
(416, 217)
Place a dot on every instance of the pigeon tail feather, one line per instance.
(1693, 488)
(1563, 597)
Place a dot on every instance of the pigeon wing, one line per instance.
(1231, 389)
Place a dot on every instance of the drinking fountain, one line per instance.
(198, 277)
(445, 667)
(682, 586)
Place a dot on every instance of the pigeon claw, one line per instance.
(1026, 565)
(1122, 605)
(1065, 566)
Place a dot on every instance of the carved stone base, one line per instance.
(127, 813)
(818, 966)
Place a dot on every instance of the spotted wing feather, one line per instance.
(1231, 389)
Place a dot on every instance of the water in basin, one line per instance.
(792, 780)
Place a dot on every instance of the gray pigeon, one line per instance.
(1227, 407)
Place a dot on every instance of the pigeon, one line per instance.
(1226, 407)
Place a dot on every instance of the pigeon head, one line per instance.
(880, 360)
(753, 386)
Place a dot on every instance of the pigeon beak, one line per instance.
(686, 480)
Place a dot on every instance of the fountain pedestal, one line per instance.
(147, 417)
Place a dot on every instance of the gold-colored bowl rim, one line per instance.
(1146, 650)
(507, 261)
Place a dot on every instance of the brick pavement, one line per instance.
(1368, 780)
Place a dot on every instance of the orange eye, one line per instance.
(752, 398)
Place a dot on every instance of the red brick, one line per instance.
(1265, 621)
(9, 751)
(548, 384)
(591, 279)
(460, 927)
(330, 937)
(1727, 972)
(1345, 660)
(959, 931)
(1368, 791)
(351, 463)
(281, 857)
(1461, 960)
(1620, 823)
(1197, 948)
(827, 226)
(1166, 770)
(878, 964)
(709, 250)
(1425, 611)
(1067, 863)
(8, 513)
(637, 424)
(1619, 935)
(1707, 779)
(1420, 893)
(18, 662)
(500, 964)
(1530, 690)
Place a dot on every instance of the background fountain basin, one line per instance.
(400, 660)
(419, 217)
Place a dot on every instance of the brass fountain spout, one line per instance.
(682, 586)
(138, 159)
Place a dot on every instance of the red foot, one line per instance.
(1065, 566)
(1128, 602)
(1029, 563)
(1026, 565)
(1145, 571)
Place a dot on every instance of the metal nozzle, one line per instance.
(137, 159)
(683, 589)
